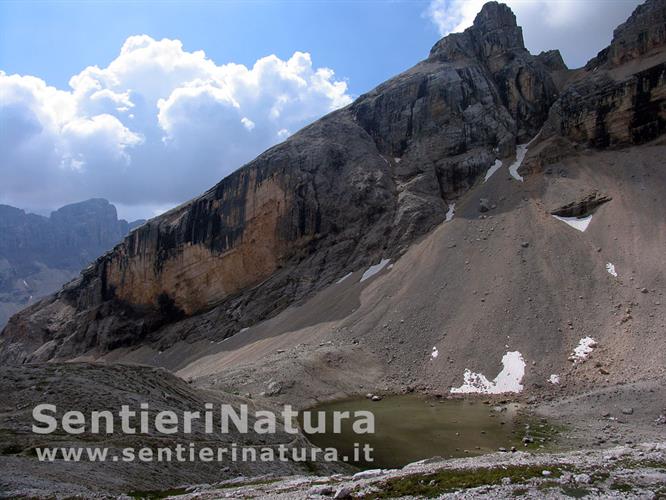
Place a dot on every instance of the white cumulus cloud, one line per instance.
(578, 28)
(154, 127)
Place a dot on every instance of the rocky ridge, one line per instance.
(39, 254)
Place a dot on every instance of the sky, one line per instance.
(150, 103)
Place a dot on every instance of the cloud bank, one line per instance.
(155, 127)
(579, 29)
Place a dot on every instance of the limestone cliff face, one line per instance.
(204, 251)
(620, 97)
(357, 185)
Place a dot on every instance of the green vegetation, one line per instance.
(575, 491)
(11, 449)
(251, 482)
(156, 494)
(623, 487)
(435, 484)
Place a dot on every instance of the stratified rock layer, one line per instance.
(620, 97)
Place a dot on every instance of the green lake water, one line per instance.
(411, 427)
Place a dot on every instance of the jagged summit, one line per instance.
(493, 32)
(494, 16)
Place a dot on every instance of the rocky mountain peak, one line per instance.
(494, 31)
(352, 189)
(495, 16)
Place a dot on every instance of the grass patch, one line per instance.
(598, 477)
(12, 449)
(650, 464)
(623, 487)
(575, 491)
(241, 484)
(545, 435)
(311, 467)
(155, 494)
(548, 485)
(435, 484)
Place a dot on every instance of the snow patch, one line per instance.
(554, 379)
(344, 278)
(575, 222)
(372, 270)
(508, 380)
(611, 269)
(496, 166)
(434, 353)
(451, 212)
(521, 151)
(25, 283)
(583, 350)
(397, 160)
(244, 329)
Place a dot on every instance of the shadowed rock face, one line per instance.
(72, 236)
(356, 186)
(525, 87)
(620, 98)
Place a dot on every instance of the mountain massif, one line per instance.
(359, 185)
(488, 211)
(39, 254)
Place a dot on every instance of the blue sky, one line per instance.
(364, 41)
(116, 99)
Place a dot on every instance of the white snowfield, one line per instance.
(372, 270)
(496, 166)
(451, 212)
(508, 380)
(554, 379)
(580, 224)
(611, 269)
(584, 348)
(434, 353)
